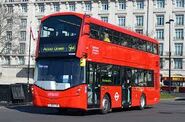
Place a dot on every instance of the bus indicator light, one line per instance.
(82, 62)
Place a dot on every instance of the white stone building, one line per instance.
(143, 16)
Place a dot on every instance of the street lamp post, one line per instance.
(169, 22)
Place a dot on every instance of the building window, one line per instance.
(140, 31)
(9, 21)
(160, 19)
(23, 23)
(178, 63)
(122, 4)
(104, 19)
(41, 8)
(9, 35)
(6, 60)
(21, 60)
(160, 3)
(24, 8)
(139, 20)
(179, 3)
(140, 4)
(88, 6)
(178, 49)
(121, 20)
(8, 48)
(161, 63)
(10, 9)
(160, 34)
(22, 48)
(71, 6)
(10, 1)
(161, 49)
(105, 6)
(179, 34)
(179, 19)
(23, 35)
(56, 6)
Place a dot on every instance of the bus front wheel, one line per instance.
(142, 102)
(106, 106)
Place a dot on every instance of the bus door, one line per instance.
(126, 88)
(93, 76)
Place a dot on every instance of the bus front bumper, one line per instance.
(75, 97)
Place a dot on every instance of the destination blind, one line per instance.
(57, 49)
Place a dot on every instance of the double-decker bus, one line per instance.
(84, 63)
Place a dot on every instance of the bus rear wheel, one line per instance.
(106, 106)
(142, 102)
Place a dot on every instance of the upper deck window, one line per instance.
(59, 35)
(116, 37)
(61, 26)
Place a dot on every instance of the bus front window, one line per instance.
(64, 73)
(59, 36)
(60, 27)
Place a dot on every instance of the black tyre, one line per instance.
(142, 102)
(106, 106)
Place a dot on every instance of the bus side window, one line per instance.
(149, 47)
(124, 40)
(106, 37)
(134, 42)
(101, 33)
(128, 73)
(134, 78)
(155, 48)
(150, 81)
(106, 74)
(142, 45)
(109, 31)
(94, 31)
(116, 37)
(124, 43)
(116, 75)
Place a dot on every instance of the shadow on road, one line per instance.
(70, 112)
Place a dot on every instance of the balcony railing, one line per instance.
(48, 0)
(178, 38)
(139, 25)
(173, 54)
(179, 24)
(159, 25)
(15, 1)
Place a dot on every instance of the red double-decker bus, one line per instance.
(84, 63)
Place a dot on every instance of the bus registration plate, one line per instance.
(54, 105)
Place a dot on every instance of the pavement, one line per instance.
(179, 96)
(6, 104)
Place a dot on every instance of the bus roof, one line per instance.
(61, 13)
(104, 24)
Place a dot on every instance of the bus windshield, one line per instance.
(59, 35)
(64, 73)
